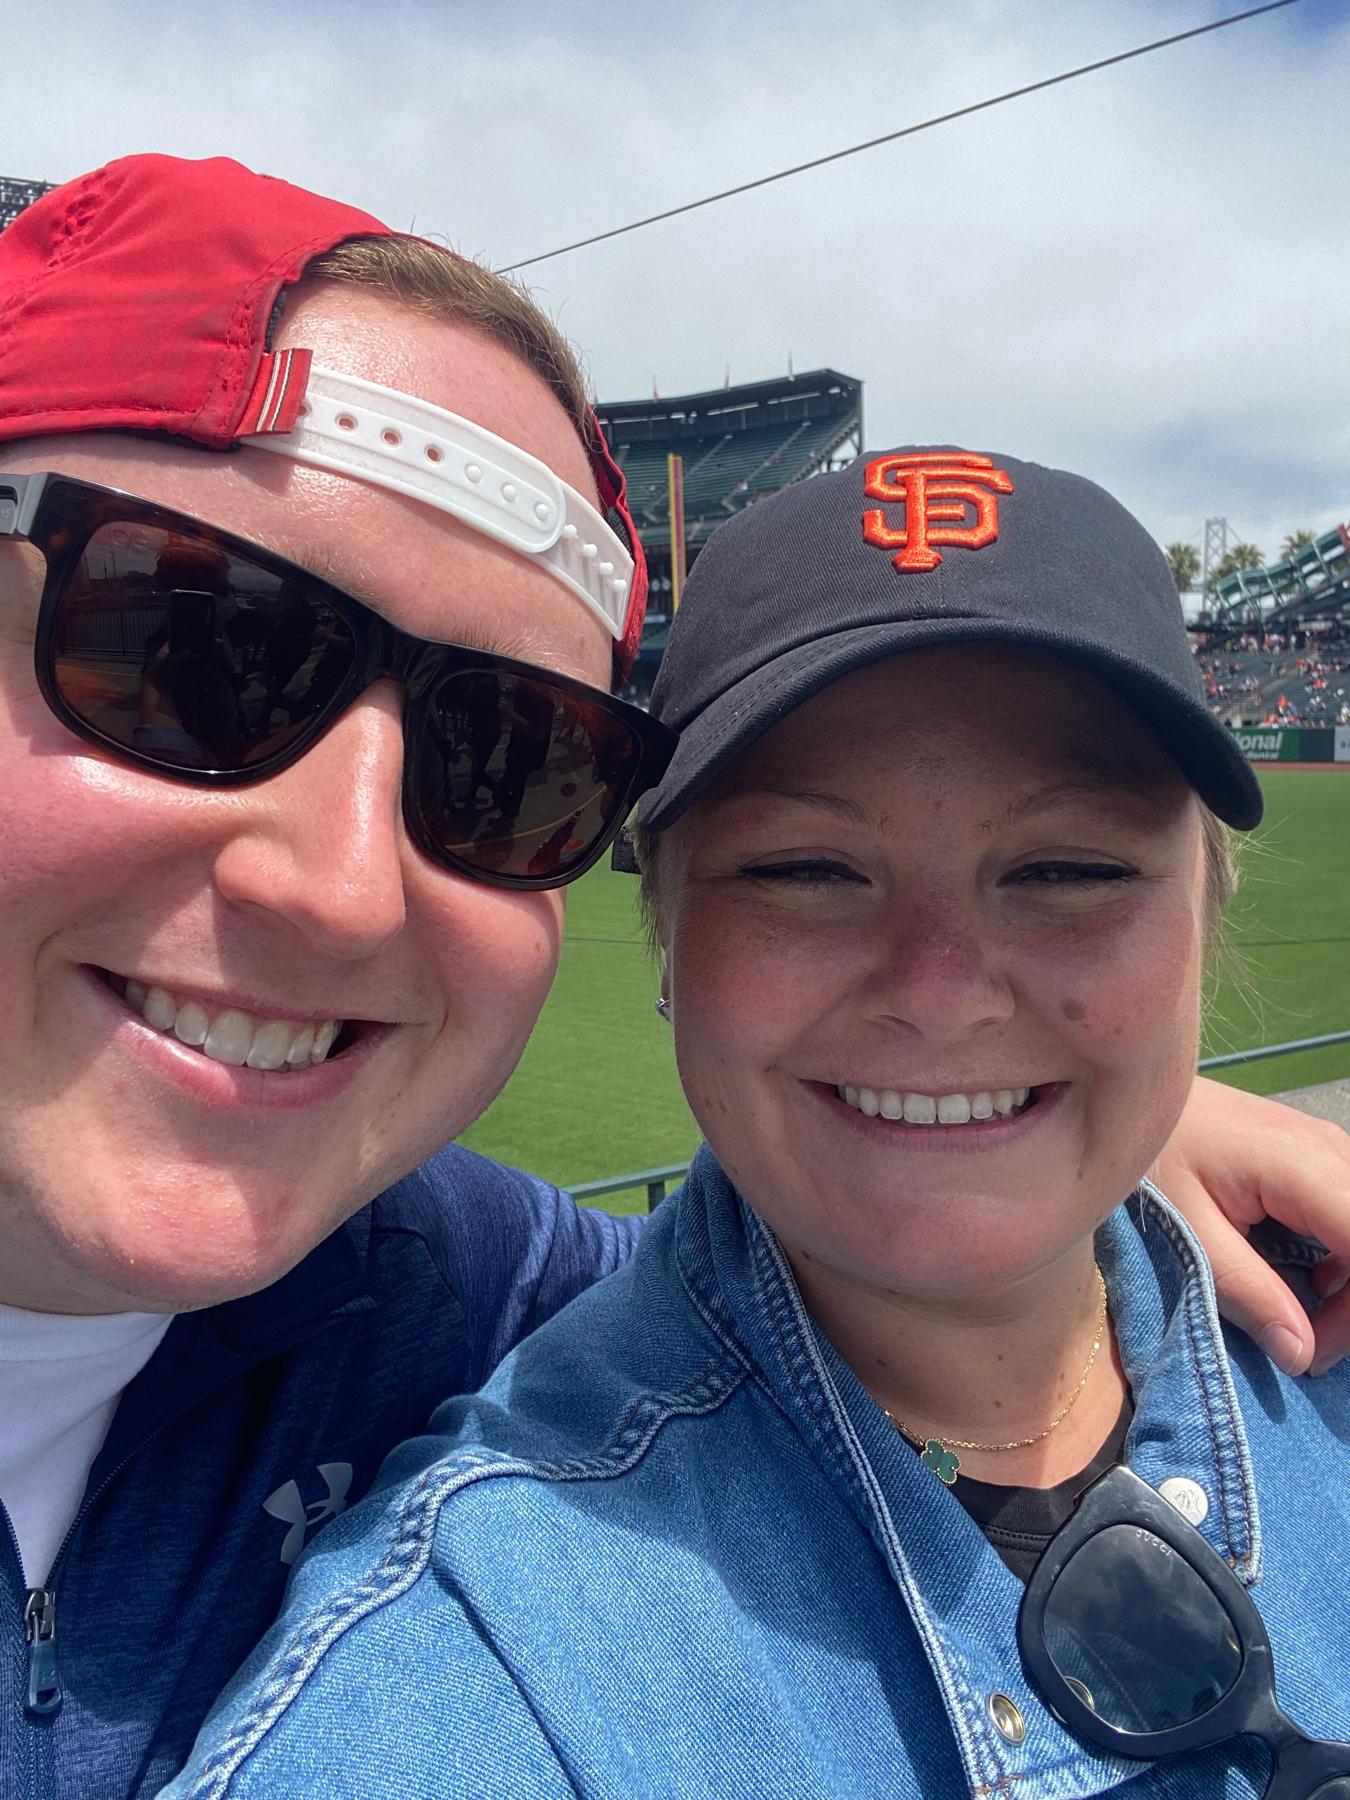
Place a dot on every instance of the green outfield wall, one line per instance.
(1308, 744)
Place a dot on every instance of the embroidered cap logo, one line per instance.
(936, 487)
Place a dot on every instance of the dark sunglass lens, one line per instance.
(1137, 1635)
(517, 777)
(191, 655)
(1338, 1788)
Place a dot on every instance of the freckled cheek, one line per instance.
(747, 995)
(1120, 998)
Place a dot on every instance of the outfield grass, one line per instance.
(596, 1092)
(1290, 927)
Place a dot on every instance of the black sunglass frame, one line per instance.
(1120, 1497)
(58, 514)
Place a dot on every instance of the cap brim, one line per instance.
(1203, 748)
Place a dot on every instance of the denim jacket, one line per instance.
(675, 1549)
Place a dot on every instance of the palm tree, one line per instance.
(1297, 540)
(1184, 562)
(1241, 556)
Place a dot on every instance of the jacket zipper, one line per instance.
(45, 1693)
(41, 1668)
(39, 1629)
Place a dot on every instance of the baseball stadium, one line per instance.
(1272, 640)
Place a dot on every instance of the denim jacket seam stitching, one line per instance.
(718, 1382)
(733, 1347)
(949, 1669)
(408, 1555)
(796, 1347)
(1194, 1313)
(721, 1328)
(1205, 1346)
(1234, 1463)
(1226, 1497)
(1082, 1765)
(718, 1327)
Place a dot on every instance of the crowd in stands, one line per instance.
(1280, 678)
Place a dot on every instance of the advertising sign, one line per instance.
(1289, 743)
(1268, 743)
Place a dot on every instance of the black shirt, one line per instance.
(1020, 1521)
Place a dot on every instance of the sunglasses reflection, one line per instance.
(172, 647)
(520, 779)
(178, 649)
(1137, 1635)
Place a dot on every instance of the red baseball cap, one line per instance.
(142, 297)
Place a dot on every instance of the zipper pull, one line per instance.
(39, 1626)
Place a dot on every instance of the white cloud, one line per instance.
(1141, 274)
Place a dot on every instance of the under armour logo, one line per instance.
(286, 1504)
(936, 487)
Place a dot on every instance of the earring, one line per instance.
(666, 1010)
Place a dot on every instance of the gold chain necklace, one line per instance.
(939, 1453)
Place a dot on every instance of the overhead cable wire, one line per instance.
(891, 137)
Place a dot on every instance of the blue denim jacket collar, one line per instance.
(963, 1601)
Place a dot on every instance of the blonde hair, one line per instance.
(1222, 869)
(442, 285)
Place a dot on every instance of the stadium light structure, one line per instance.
(736, 445)
(1217, 534)
(678, 559)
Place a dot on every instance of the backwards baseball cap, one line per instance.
(145, 296)
(918, 547)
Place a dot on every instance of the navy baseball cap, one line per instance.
(926, 546)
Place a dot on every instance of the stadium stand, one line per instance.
(738, 444)
(1274, 646)
(1313, 584)
(1299, 678)
(15, 194)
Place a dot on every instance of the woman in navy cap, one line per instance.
(909, 1455)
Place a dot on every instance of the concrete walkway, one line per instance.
(1328, 1100)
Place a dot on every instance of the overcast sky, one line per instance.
(1141, 275)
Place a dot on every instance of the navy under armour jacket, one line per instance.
(252, 1425)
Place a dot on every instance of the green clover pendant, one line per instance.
(943, 1463)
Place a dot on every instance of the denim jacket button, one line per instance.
(1007, 1718)
(1189, 1498)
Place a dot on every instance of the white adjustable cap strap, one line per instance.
(392, 440)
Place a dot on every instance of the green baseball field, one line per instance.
(596, 1095)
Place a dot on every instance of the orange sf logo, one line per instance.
(936, 487)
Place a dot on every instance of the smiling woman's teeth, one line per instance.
(230, 1036)
(929, 1109)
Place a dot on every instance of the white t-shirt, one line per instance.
(60, 1380)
